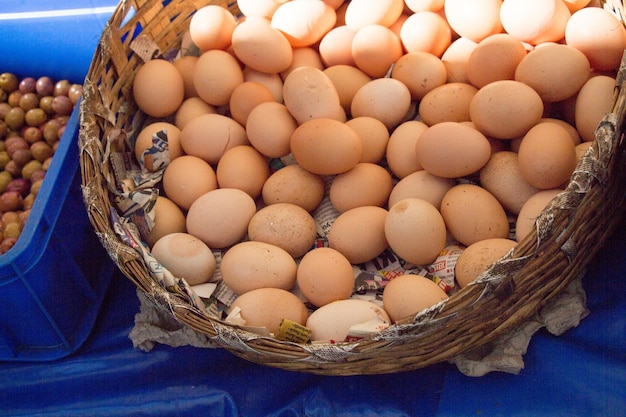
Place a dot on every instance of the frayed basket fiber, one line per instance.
(568, 233)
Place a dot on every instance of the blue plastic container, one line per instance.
(53, 281)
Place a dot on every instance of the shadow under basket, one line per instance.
(568, 234)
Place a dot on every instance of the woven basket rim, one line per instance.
(404, 346)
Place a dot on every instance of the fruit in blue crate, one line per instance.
(33, 116)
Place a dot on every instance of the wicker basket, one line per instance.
(569, 232)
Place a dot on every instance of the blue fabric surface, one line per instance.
(581, 373)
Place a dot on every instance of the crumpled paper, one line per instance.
(154, 324)
(564, 312)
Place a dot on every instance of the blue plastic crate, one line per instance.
(53, 281)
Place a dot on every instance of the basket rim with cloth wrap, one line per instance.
(568, 233)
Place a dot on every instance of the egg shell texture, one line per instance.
(501, 176)
(415, 230)
(255, 41)
(406, 295)
(505, 109)
(309, 94)
(332, 322)
(185, 256)
(359, 233)
(267, 307)
(326, 146)
(250, 265)
(452, 150)
(293, 184)
(472, 213)
(286, 225)
(220, 217)
(367, 184)
(325, 275)
(478, 256)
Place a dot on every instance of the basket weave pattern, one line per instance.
(568, 234)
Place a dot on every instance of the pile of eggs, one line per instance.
(309, 137)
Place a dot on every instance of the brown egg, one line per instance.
(250, 265)
(361, 13)
(269, 127)
(286, 225)
(304, 56)
(144, 141)
(273, 82)
(413, 217)
(208, 136)
(186, 178)
(570, 128)
(455, 60)
(501, 176)
(216, 75)
(304, 22)
(385, 99)
(245, 97)
(505, 109)
(326, 146)
(309, 94)
(474, 20)
(599, 35)
(367, 184)
(535, 21)
(582, 148)
(324, 275)
(347, 81)
(187, 66)
(556, 72)
(158, 88)
(409, 294)
(185, 256)
(426, 31)
(220, 217)
(374, 137)
(420, 72)
(267, 307)
(472, 213)
(452, 150)
(494, 58)
(293, 184)
(260, 46)
(400, 151)
(478, 256)
(447, 103)
(244, 168)
(547, 156)
(262, 8)
(423, 5)
(374, 49)
(357, 243)
(421, 184)
(190, 108)
(211, 27)
(530, 210)
(335, 48)
(593, 101)
(168, 218)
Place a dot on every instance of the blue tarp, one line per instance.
(581, 373)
